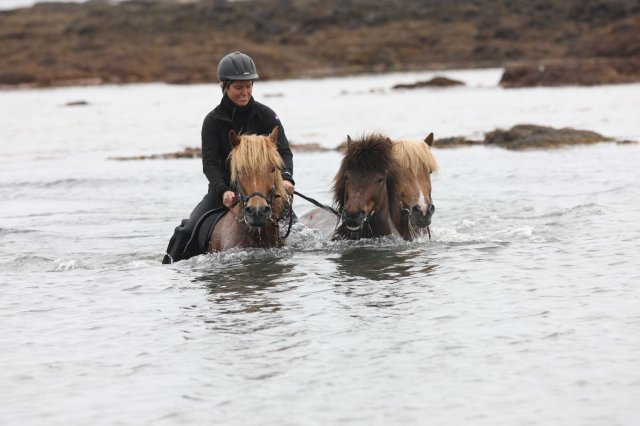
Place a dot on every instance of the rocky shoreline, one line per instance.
(541, 42)
(519, 137)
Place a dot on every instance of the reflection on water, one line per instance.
(245, 285)
(385, 262)
(383, 275)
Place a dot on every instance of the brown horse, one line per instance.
(417, 162)
(364, 188)
(255, 177)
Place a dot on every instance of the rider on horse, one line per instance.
(237, 111)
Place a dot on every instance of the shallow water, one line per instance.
(522, 310)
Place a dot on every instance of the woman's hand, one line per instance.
(229, 198)
(288, 186)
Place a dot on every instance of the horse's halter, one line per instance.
(244, 199)
(406, 213)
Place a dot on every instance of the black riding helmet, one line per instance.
(236, 66)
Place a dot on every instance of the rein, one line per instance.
(318, 204)
(243, 199)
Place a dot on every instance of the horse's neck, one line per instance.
(384, 219)
(405, 229)
(382, 223)
(402, 226)
(232, 232)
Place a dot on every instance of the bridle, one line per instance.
(243, 199)
(409, 217)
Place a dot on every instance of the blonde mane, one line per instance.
(415, 156)
(258, 154)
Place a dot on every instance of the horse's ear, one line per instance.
(233, 138)
(429, 139)
(274, 135)
(349, 141)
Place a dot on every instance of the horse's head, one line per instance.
(417, 163)
(361, 186)
(255, 176)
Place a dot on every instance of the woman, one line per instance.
(240, 112)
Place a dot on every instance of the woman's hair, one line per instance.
(226, 83)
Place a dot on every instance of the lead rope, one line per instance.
(318, 204)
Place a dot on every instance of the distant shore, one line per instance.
(538, 43)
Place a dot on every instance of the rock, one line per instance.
(309, 147)
(456, 141)
(185, 153)
(77, 103)
(525, 136)
(434, 82)
(573, 72)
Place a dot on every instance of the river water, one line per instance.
(523, 309)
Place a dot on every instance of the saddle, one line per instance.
(184, 244)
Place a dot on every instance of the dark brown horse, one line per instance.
(382, 188)
(417, 162)
(364, 188)
(255, 177)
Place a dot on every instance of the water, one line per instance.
(522, 310)
(15, 4)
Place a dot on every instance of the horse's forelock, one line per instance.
(370, 153)
(253, 154)
(415, 156)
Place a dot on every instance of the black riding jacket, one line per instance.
(254, 118)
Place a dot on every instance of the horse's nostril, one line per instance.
(257, 211)
(416, 208)
(431, 209)
(265, 210)
(353, 215)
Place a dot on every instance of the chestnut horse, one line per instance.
(255, 177)
(417, 162)
(364, 188)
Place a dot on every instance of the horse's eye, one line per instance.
(380, 180)
(273, 170)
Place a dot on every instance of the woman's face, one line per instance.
(240, 92)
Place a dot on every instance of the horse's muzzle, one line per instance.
(257, 216)
(422, 218)
(353, 220)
